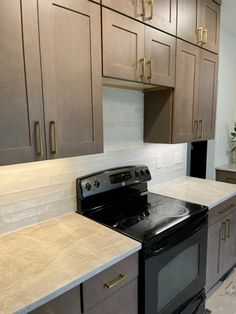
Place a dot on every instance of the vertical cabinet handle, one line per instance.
(205, 35)
(151, 4)
(196, 126)
(223, 231)
(143, 63)
(228, 228)
(38, 138)
(200, 35)
(142, 14)
(201, 128)
(53, 137)
(150, 63)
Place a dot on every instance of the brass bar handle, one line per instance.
(150, 63)
(223, 231)
(196, 127)
(116, 281)
(205, 36)
(53, 137)
(200, 35)
(151, 3)
(38, 138)
(226, 209)
(228, 225)
(201, 128)
(142, 14)
(143, 63)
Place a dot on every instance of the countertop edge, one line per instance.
(76, 282)
(222, 200)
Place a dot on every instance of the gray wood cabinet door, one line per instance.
(21, 113)
(186, 93)
(70, 42)
(207, 95)
(213, 255)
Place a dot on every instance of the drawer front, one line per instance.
(217, 213)
(226, 176)
(109, 281)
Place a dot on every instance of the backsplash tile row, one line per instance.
(34, 192)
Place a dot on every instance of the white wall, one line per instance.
(226, 104)
(34, 192)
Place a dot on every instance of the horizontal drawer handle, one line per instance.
(116, 281)
(226, 209)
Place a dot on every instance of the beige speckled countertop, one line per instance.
(41, 262)
(227, 167)
(205, 192)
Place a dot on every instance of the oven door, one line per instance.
(175, 270)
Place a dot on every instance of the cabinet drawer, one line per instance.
(226, 176)
(117, 276)
(219, 212)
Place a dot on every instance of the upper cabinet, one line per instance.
(160, 14)
(199, 22)
(21, 112)
(71, 70)
(135, 52)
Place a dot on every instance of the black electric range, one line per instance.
(173, 234)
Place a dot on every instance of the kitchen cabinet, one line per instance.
(226, 176)
(199, 22)
(135, 52)
(221, 251)
(71, 72)
(21, 110)
(103, 293)
(188, 112)
(160, 14)
(68, 303)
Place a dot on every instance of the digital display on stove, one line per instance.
(120, 177)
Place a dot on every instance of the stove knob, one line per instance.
(88, 186)
(97, 183)
(136, 173)
(142, 173)
(147, 172)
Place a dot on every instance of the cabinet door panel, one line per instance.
(71, 69)
(123, 46)
(20, 82)
(164, 15)
(186, 92)
(132, 8)
(207, 93)
(189, 15)
(213, 255)
(160, 50)
(211, 21)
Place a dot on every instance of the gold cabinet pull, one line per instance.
(121, 277)
(143, 63)
(53, 137)
(150, 63)
(205, 36)
(151, 4)
(196, 125)
(201, 128)
(38, 138)
(223, 231)
(228, 225)
(142, 14)
(200, 35)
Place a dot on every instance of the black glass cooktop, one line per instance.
(146, 216)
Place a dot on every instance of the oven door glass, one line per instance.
(175, 270)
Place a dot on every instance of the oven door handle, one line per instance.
(174, 243)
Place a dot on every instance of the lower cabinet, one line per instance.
(226, 176)
(115, 290)
(221, 251)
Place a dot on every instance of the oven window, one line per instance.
(177, 275)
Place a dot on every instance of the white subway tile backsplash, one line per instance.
(33, 192)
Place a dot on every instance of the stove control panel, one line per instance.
(111, 179)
